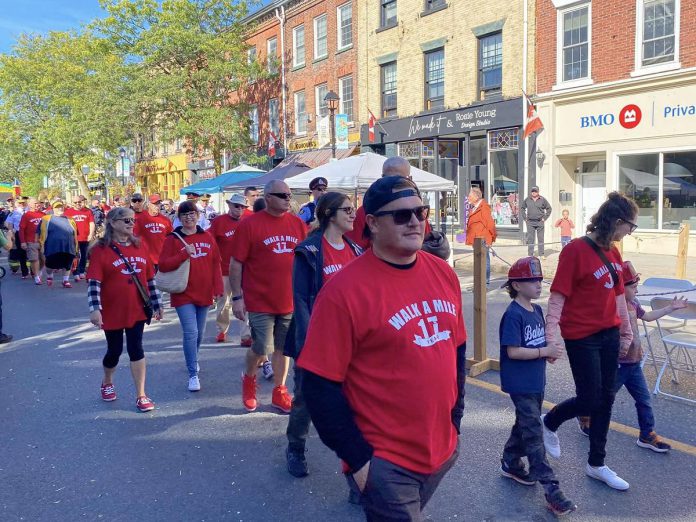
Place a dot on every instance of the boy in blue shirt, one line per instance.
(523, 354)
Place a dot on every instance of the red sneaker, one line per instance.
(249, 387)
(49, 281)
(144, 404)
(220, 337)
(281, 399)
(108, 392)
(246, 342)
(66, 284)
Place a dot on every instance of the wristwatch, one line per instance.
(237, 297)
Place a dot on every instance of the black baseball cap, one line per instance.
(317, 182)
(388, 189)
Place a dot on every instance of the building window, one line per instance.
(298, 46)
(574, 43)
(300, 113)
(659, 21)
(254, 124)
(321, 49)
(388, 13)
(504, 173)
(490, 64)
(274, 117)
(251, 55)
(345, 95)
(666, 177)
(344, 17)
(320, 92)
(177, 145)
(432, 5)
(435, 79)
(388, 88)
(272, 55)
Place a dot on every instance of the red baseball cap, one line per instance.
(155, 198)
(525, 269)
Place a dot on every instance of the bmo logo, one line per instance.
(629, 117)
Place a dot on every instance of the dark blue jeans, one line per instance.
(631, 376)
(527, 438)
(593, 361)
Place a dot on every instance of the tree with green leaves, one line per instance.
(186, 70)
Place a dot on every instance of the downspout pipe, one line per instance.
(280, 15)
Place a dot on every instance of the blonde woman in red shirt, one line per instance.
(189, 241)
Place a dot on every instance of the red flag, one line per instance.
(533, 123)
(371, 126)
(271, 144)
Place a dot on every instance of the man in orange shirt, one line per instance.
(480, 224)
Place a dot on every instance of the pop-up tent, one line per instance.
(218, 184)
(357, 173)
(282, 171)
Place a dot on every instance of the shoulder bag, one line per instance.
(175, 282)
(598, 251)
(147, 304)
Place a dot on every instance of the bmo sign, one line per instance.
(629, 117)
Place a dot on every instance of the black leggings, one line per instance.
(114, 344)
(84, 246)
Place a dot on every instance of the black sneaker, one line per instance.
(297, 463)
(518, 475)
(4, 338)
(558, 504)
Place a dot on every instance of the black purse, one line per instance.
(147, 303)
(598, 251)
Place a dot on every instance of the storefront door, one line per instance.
(593, 180)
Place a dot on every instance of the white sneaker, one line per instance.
(606, 475)
(551, 442)
(267, 370)
(194, 383)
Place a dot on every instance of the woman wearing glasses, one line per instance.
(115, 302)
(325, 252)
(587, 301)
(190, 241)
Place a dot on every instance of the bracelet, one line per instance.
(237, 297)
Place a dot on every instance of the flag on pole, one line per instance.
(371, 126)
(533, 123)
(271, 144)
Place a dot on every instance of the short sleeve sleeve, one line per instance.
(640, 312)
(242, 242)
(511, 329)
(94, 270)
(565, 273)
(461, 326)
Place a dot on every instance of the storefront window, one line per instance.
(679, 186)
(639, 179)
(503, 146)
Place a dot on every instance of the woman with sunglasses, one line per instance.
(325, 252)
(115, 302)
(190, 241)
(588, 302)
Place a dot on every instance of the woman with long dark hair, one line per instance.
(317, 259)
(587, 301)
(115, 302)
(190, 241)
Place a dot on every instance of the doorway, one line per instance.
(593, 181)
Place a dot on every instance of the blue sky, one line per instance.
(42, 16)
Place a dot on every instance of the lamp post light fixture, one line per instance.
(540, 157)
(331, 100)
(122, 153)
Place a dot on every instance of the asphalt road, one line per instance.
(66, 455)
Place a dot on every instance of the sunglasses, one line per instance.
(321, 188)
(281, 195)
(348, 210)
(189, 215)
(402, 216)
(136, 200)
(127, 221)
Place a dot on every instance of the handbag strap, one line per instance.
(595, 247)
(180, 239)
(136, 281)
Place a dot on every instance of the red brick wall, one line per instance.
(329, 70)
(613, 40)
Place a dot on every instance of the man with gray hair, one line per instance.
(396, 166)
(262, 255)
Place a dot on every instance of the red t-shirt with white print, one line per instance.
(153, 231)
(223, 229)
(205, 278)
(390, 336)
(122, 305)
(265, 245)
(590, 294)
(82, 219)
(335, 259)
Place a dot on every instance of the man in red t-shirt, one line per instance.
(263, 248)
(223, 229)
(28, 232)
(152, 227)
(84, 219)
(251, 194)
(385, 360)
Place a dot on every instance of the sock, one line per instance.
(66, 278)
(37, 279)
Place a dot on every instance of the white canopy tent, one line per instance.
(357, 173)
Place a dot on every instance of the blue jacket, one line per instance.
(307, 280)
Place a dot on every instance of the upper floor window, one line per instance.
(345, 95)
(177, 144)
(388, 89)
(344, 25)
(320, 92)
(435, 79)
(251, 55)
(274, 117)
(574, 44)
(321, 48)
(254, 125)
(658, 30)
(300, 113)
(298, 46)
(432, 5)
(387, 13)
(272, 55)
(490, 64)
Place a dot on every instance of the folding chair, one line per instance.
(677, 346)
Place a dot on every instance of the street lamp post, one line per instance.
(331, 100)
(122, 153)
